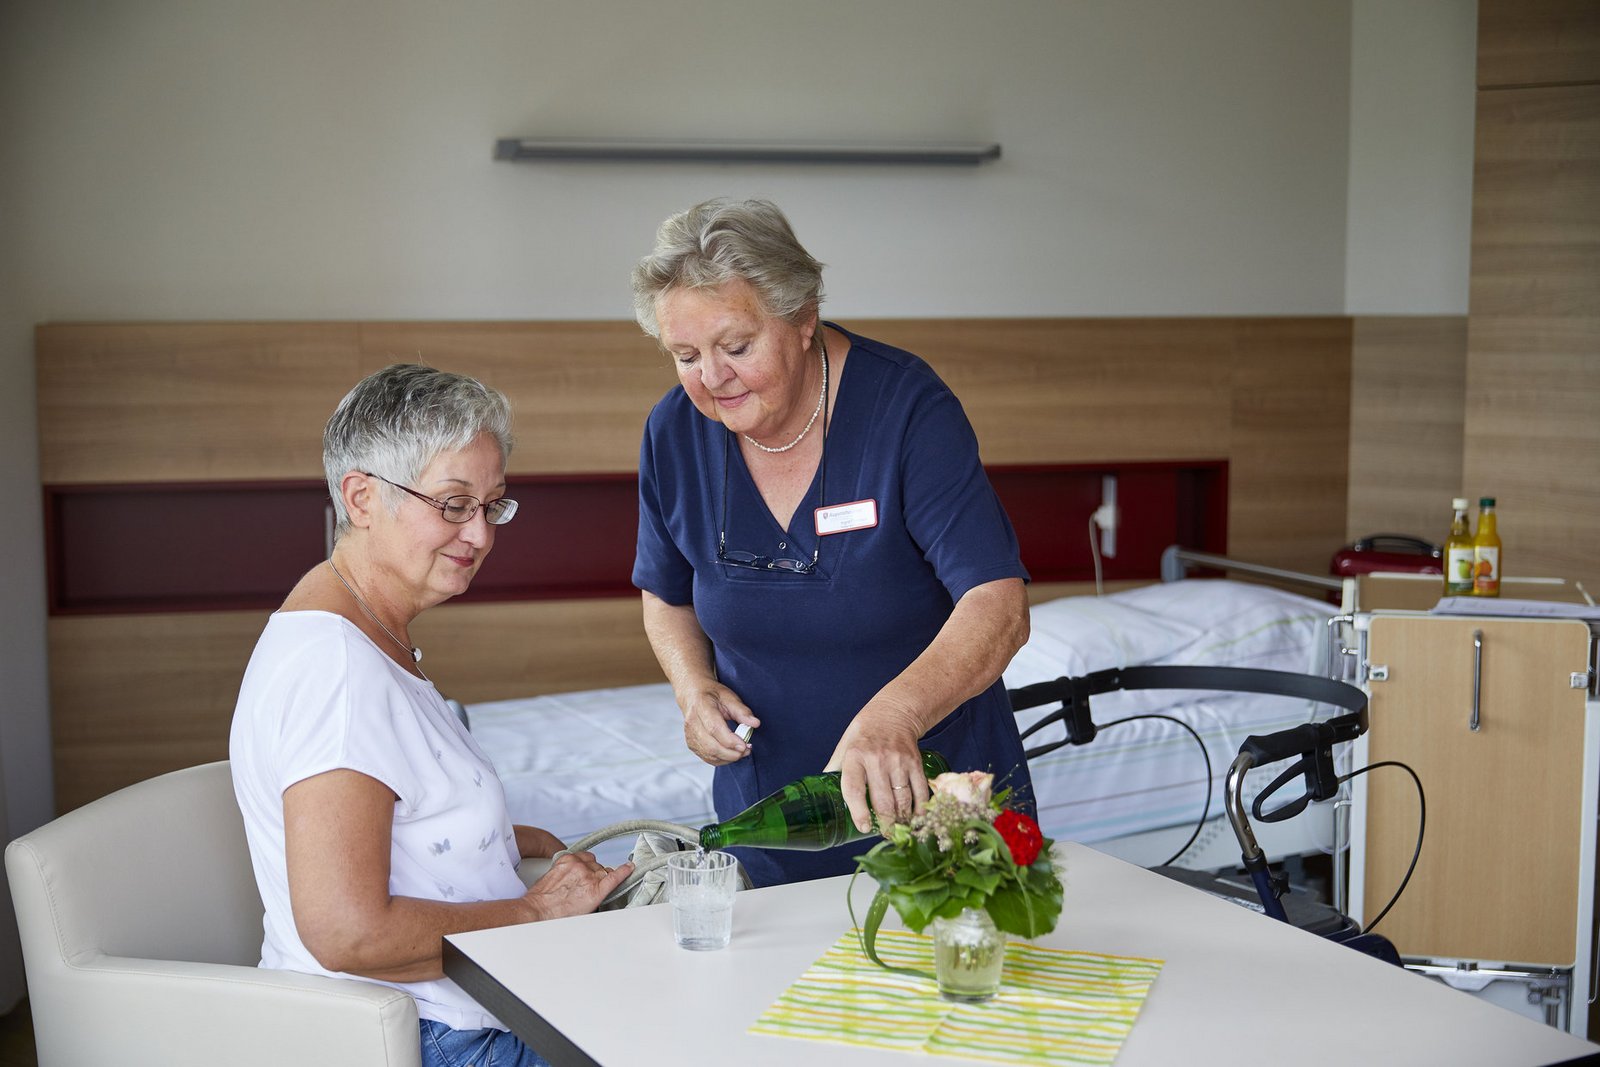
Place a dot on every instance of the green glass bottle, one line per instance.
(807, 815)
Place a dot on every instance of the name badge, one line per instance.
(842, 518)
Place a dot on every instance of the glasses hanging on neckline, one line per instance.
(750, 560)
(461, 509)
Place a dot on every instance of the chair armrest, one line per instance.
(531, 869)
(206, 1013)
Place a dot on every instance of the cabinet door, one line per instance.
(1499, 874)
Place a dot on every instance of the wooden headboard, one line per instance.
(131, 407)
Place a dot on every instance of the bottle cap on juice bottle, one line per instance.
(1486, 502)
(1459, 503)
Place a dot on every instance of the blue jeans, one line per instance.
(444, 1047)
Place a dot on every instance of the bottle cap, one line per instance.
(1486, 502)
(1459, 503)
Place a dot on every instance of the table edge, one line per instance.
(526, 1023)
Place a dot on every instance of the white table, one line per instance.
(1237, 987)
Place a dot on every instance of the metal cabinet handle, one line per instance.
(1477, 677)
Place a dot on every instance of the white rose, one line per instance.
(969, 788)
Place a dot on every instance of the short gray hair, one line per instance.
(720, 240)
(398, 420)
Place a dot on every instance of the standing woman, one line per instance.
(820, 553)
(376, 824)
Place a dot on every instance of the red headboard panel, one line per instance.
(131, 548)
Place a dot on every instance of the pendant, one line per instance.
(416, 654)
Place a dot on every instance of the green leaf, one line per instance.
(982, 881)
(1029, 907)
(927, 883)
(868, 934)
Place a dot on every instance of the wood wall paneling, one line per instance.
(177, 402)
(132, 696)
(1272, 395)
(1289, 453)
(1537, 42)
(1081, 390)
(521, 648)
(1532, 432)
(581, 390)
(1407, 401)
(248, 401)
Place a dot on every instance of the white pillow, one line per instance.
(1241, 624)
(1075, 635)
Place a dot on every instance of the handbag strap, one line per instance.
(687, 834)
(632, 826)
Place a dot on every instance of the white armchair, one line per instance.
(141, 930)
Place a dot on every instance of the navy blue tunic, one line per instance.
(807, 651)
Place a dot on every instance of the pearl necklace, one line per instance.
(822, 399)
(416, 653)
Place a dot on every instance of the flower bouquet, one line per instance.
(972, 867)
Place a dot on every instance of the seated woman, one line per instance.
(376, 824)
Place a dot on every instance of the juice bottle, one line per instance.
(1486, 552)
(1459, 560)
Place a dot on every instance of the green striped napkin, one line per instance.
(1054, 1006)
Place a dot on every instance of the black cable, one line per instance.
(1422, 823)
(1205, 810)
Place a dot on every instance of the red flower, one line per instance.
(1021, 834)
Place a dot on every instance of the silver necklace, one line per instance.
(416, 653)
(821, 399)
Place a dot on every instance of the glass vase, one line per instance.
(968, 954)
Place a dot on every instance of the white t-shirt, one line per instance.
(318, 696)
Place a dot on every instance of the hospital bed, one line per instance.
(574, 762)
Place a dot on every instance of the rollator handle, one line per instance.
(1313, 742)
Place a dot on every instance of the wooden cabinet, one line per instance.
(1496, 717)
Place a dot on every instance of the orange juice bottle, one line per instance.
(1459, 560)
(1486, 552)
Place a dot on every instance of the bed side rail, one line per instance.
(1176, 561)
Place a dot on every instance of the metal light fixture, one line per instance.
(530, 149)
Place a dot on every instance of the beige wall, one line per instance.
(1410, 194)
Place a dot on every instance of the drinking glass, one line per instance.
(701, 887)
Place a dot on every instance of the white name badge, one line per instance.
(842, 518)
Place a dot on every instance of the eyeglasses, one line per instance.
(750, 560)
(459, 509)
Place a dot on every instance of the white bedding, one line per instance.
(574, 762)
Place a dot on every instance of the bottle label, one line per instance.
(1486, 570)
(1458, 569)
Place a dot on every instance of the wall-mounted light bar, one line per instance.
(527, 149)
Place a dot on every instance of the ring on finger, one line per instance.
(897, 788)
